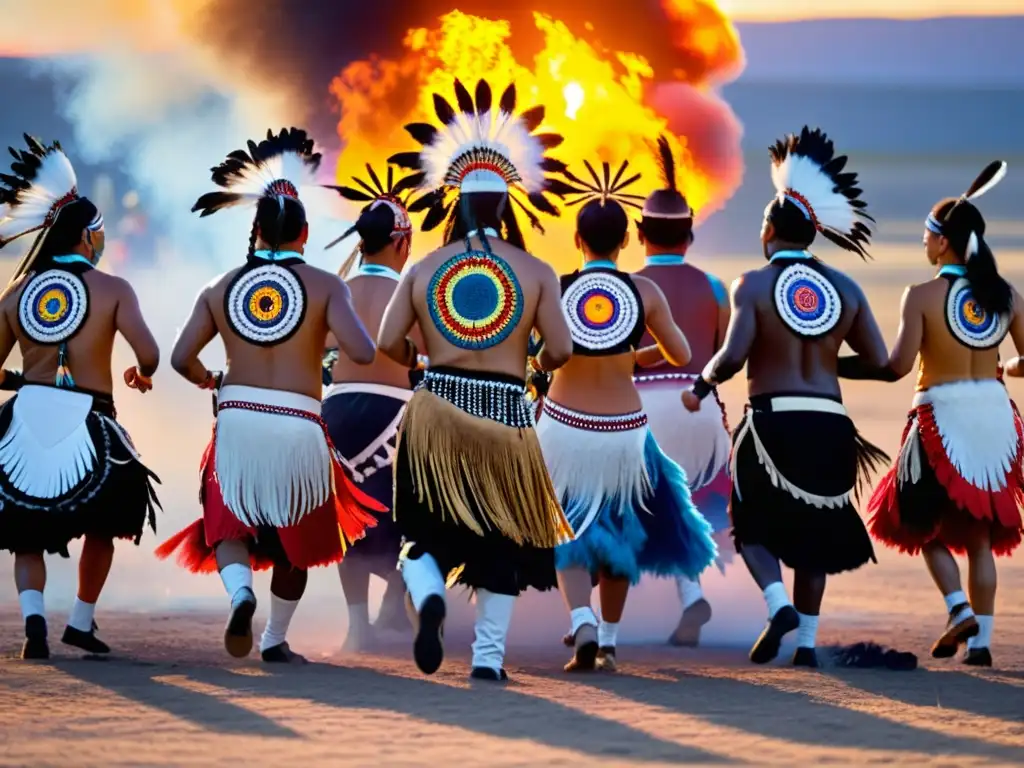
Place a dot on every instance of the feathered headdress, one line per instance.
(481, 147)
(604, 188)
(668, 202)
(394, 194)
(41, 184)
(281, 164)
(807, 173)
(990, 176)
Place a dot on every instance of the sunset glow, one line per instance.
(789, 10)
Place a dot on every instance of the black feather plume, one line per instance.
(666, 163)
(990, 176)
(483, 97)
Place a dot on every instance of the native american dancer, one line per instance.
(67, 468)
(957, 485)
(274, 493)
(628, 503)
(473, 499)
(363, 405)
(797, 458)
(698, 442)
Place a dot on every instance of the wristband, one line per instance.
(701, 388)
(13, 381)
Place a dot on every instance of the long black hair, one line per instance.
(963, 226)
(279, 219)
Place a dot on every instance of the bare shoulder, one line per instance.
(753, 285)
(112, 285)
(13, 290)
(648, 289)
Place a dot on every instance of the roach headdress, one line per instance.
(41, 184)
(807, 173)
(395, 195)
(481, 147)
(603, 187)
(667, 202)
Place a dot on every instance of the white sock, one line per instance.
(581, 617)
(807, 634)
(422, 578)
(493, 617)
(608, 634)
(358, 616)
(953, 599)
(281, 612)
(236, 577)
(776, 598)
(31, 601)
(689, 591)
(81, 615)
(984, 637)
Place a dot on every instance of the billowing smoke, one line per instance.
(166, 89)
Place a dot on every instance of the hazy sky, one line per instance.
(771, 10)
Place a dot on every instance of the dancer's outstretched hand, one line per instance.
(690, 401)
(136, 380)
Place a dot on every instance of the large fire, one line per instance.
(600, 103)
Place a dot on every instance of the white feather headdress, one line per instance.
(41, 182)
(283, 164)
(807, 173)
(481, 147)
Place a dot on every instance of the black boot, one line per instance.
(282, 654)
(86, 641)
(428, 647)
(978, 657)
(238, 632)
(805, 657)
(767, 646)
(958, 631)
(489, 674)
(35, 646)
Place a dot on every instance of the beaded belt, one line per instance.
(642, 378)
(500, 401)
(592, 422)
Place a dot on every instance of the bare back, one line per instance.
(293, 365)
(493, 315)
(783, 360)
(112, 307)
(944, 359)
(370, 297)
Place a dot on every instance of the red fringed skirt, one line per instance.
(301, 535)
(960, 462)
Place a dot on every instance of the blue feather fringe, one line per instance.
(668, 538)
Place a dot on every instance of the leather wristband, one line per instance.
(701, 388)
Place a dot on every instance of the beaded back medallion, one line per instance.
(971, 325)
(806, 301)
(265, 305)
(475, 300)
(602, 310)
(53, 306)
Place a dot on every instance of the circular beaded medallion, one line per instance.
(602, 310)
(53, 306)
(265, 305)
(970, 324)
(475, 300)
(806, 301)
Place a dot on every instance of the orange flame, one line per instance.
(596, 102)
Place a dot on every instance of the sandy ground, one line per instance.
(172, 697)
